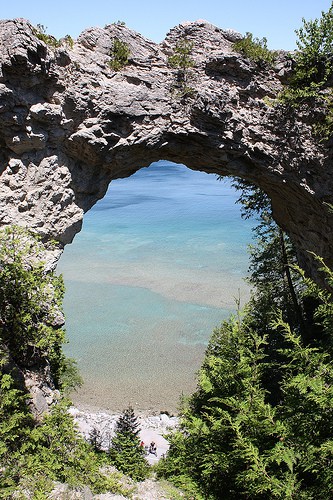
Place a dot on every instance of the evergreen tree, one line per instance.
(120, 53)
(277, 285)
(272, 259)
(314, 60)
(95, 439)
(34, 454)
(235, 440)
(126, 453)
(255, 49)
(260, 424)
(128, 423)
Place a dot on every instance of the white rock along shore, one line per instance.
(153, 428)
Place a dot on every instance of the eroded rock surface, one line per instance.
(69, 125)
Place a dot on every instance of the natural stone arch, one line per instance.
(69, 125)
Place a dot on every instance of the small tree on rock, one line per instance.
(183, 62)
(30, 301)
(120, 53)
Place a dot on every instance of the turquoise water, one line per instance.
(156, 267)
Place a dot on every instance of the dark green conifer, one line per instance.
(128, 423)
(126, 453)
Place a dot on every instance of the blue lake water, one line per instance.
(156, 267)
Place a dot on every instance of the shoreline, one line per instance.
(97, 409)
(142, 409)
(152, 428)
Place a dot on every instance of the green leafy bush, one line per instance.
(69, 40)
(40, 32)
(120, 53)
(30, 298)
(255, 49)
(314, 59)
(313, 71)
(35, 454)
(31, 306)
(234, 442)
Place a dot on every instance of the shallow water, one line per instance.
(156, 267)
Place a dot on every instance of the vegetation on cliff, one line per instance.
(255, 49)
(126, 453)
(314, 59)
(182, 61)
(50, 40)
(31, 304)
(119, 53)
(36, 452)
(259, 425)
(311, 78)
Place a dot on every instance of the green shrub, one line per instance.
(313, 71)
(33, 457)
(314, 59)
(232, 441)
(259, 425)
(31, 306)
(255, 49)
(35, 454)
(69, 40)
(40, 32)
(120, 53)
(30, 299)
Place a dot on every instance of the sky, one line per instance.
(276, 20)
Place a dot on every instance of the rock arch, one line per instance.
(69, 125)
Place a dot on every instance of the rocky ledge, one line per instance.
(69, 125)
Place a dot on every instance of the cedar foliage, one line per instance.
(260, 423)
(33, 456)
(31, 307)
(314, 59)
(312, 76)
(30, 301)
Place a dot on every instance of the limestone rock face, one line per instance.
(69, 125)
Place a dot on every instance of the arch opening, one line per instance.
(156, 267)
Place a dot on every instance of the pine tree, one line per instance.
(120, 53)
(95, 439)
(128, 423)
(126, 452)
(314, 65)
